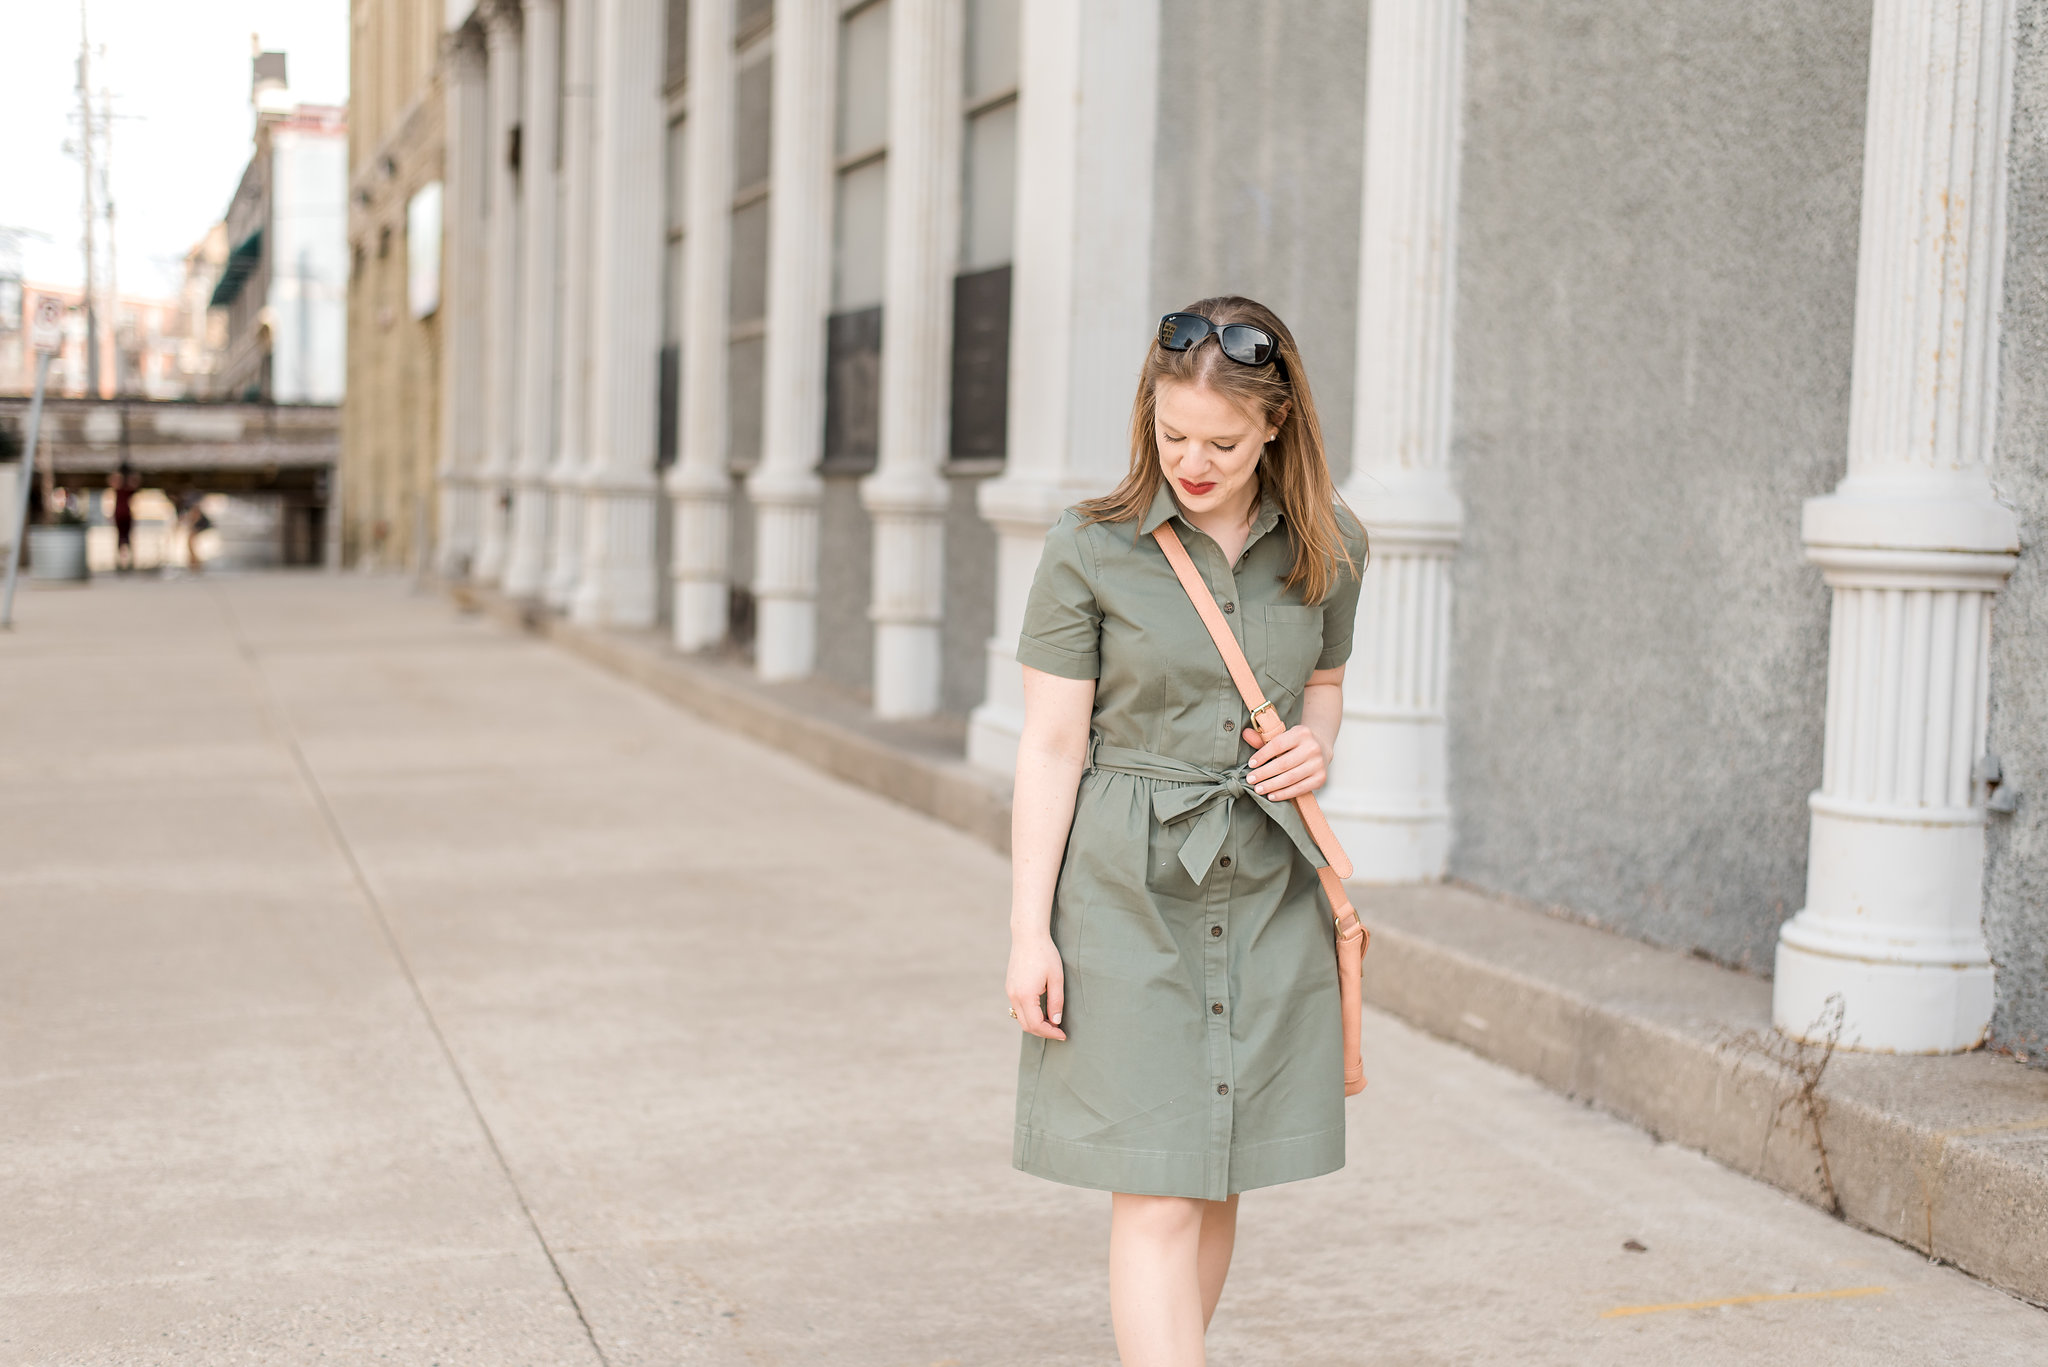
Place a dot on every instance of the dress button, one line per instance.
(1215, 931)
(1215, 1008)
(1226, 861)
(1223, 1089)
(1230, 607)
(1230, 726)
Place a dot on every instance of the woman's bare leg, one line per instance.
(1155, 1279)
(1219, 1236)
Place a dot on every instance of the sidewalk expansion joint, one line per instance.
(280, 724)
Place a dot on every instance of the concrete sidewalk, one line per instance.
(381, 985)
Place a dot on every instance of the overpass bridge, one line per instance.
(281, 454)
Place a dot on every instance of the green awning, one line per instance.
(241, 263)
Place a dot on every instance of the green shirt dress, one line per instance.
(1204, 1051)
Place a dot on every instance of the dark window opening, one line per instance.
(853, 391)
(981, 364)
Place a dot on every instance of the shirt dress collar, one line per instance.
(1165, 506)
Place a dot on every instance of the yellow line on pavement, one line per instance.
(1842, 1294)
(2009, 1127)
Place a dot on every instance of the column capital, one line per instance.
(1889, 567)
(770, 486)
(1418, 504)
(1023, 502)
(905, 491)
(1916, 510)
(696, 481)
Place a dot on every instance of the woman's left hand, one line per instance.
(1289, 765)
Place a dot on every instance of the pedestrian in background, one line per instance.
(125, 486)
(1170, 962)
(192, 517)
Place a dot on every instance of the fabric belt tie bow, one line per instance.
(1204, 798)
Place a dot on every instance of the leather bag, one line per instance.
(1352, 938)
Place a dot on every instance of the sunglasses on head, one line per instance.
(1241, 342)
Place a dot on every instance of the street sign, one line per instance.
(46, 329)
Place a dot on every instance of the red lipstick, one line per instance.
(1197, 490)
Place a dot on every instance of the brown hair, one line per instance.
(1293, 465)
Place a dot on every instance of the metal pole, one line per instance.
(28, 470)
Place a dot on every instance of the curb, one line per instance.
(881, 757)
(1947, 1155)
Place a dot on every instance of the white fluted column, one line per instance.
(618, 583)
(1914, 546)
(1388, 798)
(785, 486)
(501, 293)
(526, 554)
(906, 495)
(1081, 313)
(462, 324)
(566, 473)
(698, 485)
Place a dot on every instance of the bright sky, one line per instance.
(179, 73)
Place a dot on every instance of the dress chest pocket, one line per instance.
(1294, 641)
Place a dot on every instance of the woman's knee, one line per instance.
(1159, 1217)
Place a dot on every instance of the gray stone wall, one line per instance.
(970, 598)
(1657, 268)
(1260, 162)
(846, 638)
(2016, 878)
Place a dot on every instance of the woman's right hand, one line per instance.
(1036, 973)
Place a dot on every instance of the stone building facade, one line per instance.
(391, 432)
(1685, 363)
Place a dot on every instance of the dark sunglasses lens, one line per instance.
(1247, 345)
(1179, 331)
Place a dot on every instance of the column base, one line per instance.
(701, 614)
(995, 727)
(1390, 846)
(1887, 1007)
(785, 575)
(617, 585)
(493, 535)
(565, 549)
(526, 554)
(455, 549)
(1385, 798)
(1893, 926)
(906, 670)
(785, 638)
(700, 513)
(908, 590)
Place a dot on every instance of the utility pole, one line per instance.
(113, 246)
(85, 130)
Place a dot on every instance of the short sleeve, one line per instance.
(1340, 609)
(1062, 621)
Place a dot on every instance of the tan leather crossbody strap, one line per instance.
(1241, 674)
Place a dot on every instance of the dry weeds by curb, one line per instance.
(1807, 1061)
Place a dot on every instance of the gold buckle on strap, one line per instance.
(1262, 707)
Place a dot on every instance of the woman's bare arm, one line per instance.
(1050, 756)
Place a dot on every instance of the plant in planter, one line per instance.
(56, 547)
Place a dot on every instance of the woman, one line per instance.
(1170, 961)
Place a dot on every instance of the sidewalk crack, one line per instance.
(275, 714)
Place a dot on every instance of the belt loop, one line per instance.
(1094, 744)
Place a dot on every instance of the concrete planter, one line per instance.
(57, 552)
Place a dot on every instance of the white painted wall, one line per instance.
(308, 265)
